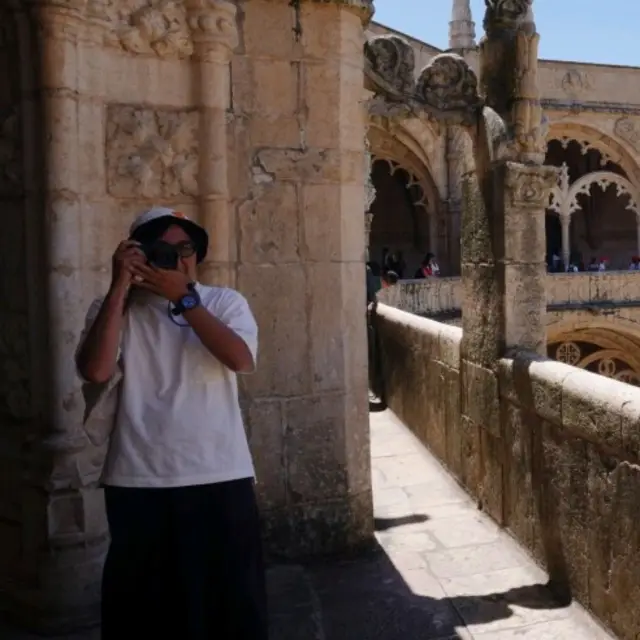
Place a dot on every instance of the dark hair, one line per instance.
(391, 277)
(151, 231)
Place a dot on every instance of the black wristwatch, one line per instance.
(189, 301)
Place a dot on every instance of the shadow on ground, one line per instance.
(368, 599)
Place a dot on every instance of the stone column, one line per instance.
(565, 222)
(503, 246)
(64, 531)
(298, 102)
(215, 36)
(455, 169)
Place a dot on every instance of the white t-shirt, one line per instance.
(179, 421)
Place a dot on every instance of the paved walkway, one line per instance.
(441, 570)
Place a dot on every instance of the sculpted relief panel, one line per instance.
(628, 130)
(152, 153)
(157, 27)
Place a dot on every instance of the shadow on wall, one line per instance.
(551, 452)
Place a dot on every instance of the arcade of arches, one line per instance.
(594, 212)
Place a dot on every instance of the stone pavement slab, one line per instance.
(441, 570)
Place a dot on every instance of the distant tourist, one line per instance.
(395, 262)
(635, 264)
(429, 268)
(594, 265)
(389, 278)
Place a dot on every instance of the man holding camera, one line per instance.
(185, 557)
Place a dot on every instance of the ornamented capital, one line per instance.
(213, 25)
(529, 186)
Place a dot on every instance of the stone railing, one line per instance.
(435, 296)
(550, 451)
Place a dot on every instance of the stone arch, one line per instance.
(590, 136)
(400, 163)
(610, 349)
(597, 175)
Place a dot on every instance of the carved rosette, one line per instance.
(447, 87)
(447, 83)
(529, 186)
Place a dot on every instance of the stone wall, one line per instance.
(549, 451)
(247, 117)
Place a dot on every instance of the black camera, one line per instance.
(161, 254)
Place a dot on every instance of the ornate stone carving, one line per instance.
(446, 89)
(569, 353)
(574, 82)
(627, 130)
(10, 152)
(150, 26)
(152, 153)
(447, 83)
(564, 196)
(213, 23)
(389, 66)
(528, 186)
(505, 14)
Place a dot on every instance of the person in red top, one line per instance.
(428, 268)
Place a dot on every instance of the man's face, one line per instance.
(185, 246)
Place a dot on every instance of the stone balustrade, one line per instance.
(554, 460)
(435, 296)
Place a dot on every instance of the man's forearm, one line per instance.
(223, 343)
(98, 354)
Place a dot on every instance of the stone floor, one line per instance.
(441, 569)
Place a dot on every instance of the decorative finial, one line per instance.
(462, 28)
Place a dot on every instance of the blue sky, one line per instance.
(581, 30)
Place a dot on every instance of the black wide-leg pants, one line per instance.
(184, 563)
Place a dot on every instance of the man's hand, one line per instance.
(127, 255)
(169, 284)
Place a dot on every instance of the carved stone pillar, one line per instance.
(215, 36)
(504, 244)
(63, 531)
(455, 168)
(301, 255)
(509, 75)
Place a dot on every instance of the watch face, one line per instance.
(189, 302)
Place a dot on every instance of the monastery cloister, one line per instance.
(303, 136)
